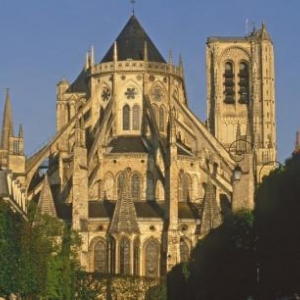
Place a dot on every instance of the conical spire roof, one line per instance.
(46, 203)
(124, 218)
(131, 44)
(7, 123)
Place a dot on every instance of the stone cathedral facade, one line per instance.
(132, 168)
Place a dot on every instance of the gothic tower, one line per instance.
(241, 93)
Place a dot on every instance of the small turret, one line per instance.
(145, 51)
(7, 124)
(297, 143)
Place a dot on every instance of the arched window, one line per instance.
(184, 251)
(161, 118)
(120, 180)
(108, 189)
(244, 83)
(154, 109)
(150, 186)
(229, 83)
(186, 183)
(126, 117)
(136, 257)
(136, 187)
(136, 117)
(100, 257)
(125, 256)
(112, 253)
(152, 259)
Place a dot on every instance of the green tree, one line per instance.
(10, 245)
(48, 259)
(222, 265)
(278, 224)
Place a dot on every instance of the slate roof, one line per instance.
(131, 43)
(127, 144)
(144, 209)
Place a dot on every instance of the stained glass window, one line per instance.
(125, 256)
(126, 117)
(161, 118)
(184, 251)
(152, 259)
(136, 187)
(136, 118)
(100, 257)
(136, 254)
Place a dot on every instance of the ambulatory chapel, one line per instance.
(132, 168)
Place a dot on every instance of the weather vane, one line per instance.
(132, 2)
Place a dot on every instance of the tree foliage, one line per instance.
(37, 257)
(278, 229)
(222, 265)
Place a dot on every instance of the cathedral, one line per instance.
(132, 168)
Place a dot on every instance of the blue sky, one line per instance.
(44, 41)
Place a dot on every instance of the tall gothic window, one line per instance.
(126, 117)
(184, 251)
(136, 187)
(120, 180)
(136, 257)
(136, 117)
(161, 118)
(229, 83)
(186, 183)
(244, 83)
(100, 257)
(16, 147)
(154, 109)
(152, 259)
(112, 253)
(125, 256)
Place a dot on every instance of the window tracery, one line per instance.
(126, 117)
(100, 257)
(125, 256)
(136, 187)
(151, 259)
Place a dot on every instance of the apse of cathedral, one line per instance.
(132, 168)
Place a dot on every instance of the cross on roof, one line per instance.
(133, 3)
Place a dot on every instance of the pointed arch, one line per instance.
(152, 258)
(136, 257)
(108, 186)
(119, 183)
(150, 186)
(126, 117)
(154, 110)
(136, 186)
(125, 255)
(136, 117)
(186, 187)
(162, 118)
(100, 256)
(184, 250)
(159, 191)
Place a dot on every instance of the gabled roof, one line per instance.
(131, 44)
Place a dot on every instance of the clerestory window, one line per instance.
(126, 117)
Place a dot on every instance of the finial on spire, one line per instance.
(133, 3)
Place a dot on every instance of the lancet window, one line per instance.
(125, 256)
(126, 117)
(136, 117)
(100, 257)
(136, 186)
(229, 92)
(136, 257)
(152, 259)
(244, 83)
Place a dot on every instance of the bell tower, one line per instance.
(241, 92)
